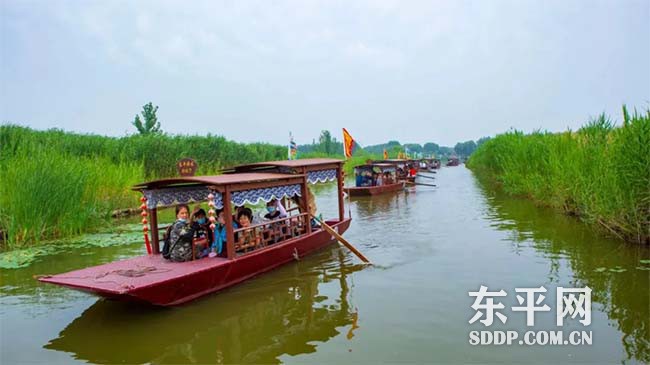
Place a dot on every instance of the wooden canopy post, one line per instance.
(304, 191)
(230, 233)
(153, 228)
(339, 179)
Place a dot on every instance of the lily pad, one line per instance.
(646, 268)
(645, 261)
(617, 269)
(600, 269)
(19, 258)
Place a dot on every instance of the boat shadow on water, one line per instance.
(283, 313)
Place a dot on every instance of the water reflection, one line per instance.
(287, 311)
(593, 259)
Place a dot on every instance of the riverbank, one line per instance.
(600, 173)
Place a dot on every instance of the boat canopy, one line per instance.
(377, 167)
(318, 170)
(246, 188)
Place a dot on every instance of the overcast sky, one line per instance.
(413, 71)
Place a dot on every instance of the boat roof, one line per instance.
(217, 180)
(392, 160)
(379, 164)
(308, 163)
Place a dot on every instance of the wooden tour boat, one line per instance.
(453, 161)
(366, 181)
(155, 280)
(402, 166)
(429, 164)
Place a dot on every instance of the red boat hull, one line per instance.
(374, 190)
(157, 281)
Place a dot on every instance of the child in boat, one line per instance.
(180, 236)
(202, 233)
(220, 236)
(248, 238)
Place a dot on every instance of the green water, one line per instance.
(431, 247)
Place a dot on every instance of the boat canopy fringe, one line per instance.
(166, 197)
(321, 176)
(254, 196)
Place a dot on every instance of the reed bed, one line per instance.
(600, 173)
(55, 184)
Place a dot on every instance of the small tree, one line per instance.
(151, 124)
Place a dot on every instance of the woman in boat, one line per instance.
(202, 232)
(388, 179)
(180, 236)
(248, 238)
(379, 180)
(412, 171)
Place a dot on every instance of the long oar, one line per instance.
(428, 177)
(342, 240)
(414, 183)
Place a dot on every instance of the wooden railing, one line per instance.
(267, 233)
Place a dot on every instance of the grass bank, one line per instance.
(600, 173)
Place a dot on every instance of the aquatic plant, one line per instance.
(600, 173)
(57, 184)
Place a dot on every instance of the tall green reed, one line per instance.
(600, 173)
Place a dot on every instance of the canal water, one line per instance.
(431, 246)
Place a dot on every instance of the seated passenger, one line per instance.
(248, 237)
(180, 237)
(276, 230)
(275, 210)
(220, 235)
(202, 233)
(388, 178)
(379, 181)
(367, 179)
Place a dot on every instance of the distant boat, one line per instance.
(453, 161)
(155, 280)
(366, 182)
(402, 167)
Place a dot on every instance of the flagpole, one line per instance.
(289, 147)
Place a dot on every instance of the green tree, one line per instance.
(482, 140)
(325, 141)
(151, 124)
(413, 147)
(464, 149)
(430, 147)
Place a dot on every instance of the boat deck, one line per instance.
(139, 272)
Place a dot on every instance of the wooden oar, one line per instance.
(414, 183)
(342, 240)
(428, 177)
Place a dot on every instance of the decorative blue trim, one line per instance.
(321, 176)
(254, 196)
(157, 198)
